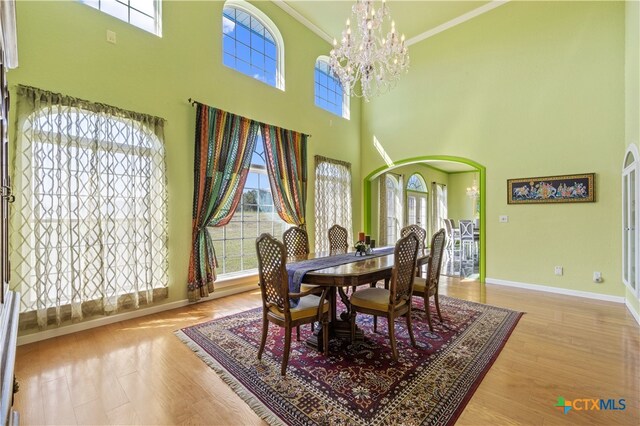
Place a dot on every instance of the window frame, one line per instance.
(266, 22)
(346, 98)
(157, 18)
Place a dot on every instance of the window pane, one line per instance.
(254, 46)
(115, 8)
(141, 13)
(144, 6)
(143, 21)
(329, 94)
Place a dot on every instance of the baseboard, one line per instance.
(633, 312)
(556, 290)
(74, 328)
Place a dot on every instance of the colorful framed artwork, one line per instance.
(552, 189)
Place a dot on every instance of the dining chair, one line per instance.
(276, 298)
(296, 241)
(420, 232)
(467, 242)
(396, 301)
(428, 287)
(338, 240)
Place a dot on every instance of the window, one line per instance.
(333, 198)
(328, 89)
(252, 44)
(416, 201)
(144, 14)
(235, 243)
(92, 223)
(394, 208)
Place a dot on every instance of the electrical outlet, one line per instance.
(111, 36)
(503, 219)
(597, 277)
(558, 270)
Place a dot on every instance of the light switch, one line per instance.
(503, 219)
(111, 36)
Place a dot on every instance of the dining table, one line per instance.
(363, 270)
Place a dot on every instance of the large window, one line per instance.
(91, 214)
(252, 44)
(333, 198)
(235, 243)
(416, 201)
(394, 208)
(144, 14)
(329, 94)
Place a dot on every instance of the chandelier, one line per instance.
(473, 191)
(367, 54)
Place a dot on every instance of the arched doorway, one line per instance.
(367, 195)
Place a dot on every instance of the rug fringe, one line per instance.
(256, 405)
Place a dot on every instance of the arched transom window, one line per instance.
(329, 93)
(251, 43)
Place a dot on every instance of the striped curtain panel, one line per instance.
(224, 145)
(286, 153)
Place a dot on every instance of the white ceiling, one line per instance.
(450, 167)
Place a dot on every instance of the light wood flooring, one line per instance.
(138, 372)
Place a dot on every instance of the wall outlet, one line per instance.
(503, 219)
(597, 277)
(111, 36)
(558, 270)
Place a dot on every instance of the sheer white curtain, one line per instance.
(333, 198)
(89, 223)
(391, 208)
(438, 206)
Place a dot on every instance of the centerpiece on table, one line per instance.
(363, 245)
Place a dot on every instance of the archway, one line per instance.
(366, 190)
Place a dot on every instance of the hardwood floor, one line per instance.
(138, 372)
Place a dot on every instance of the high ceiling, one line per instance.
(449, 166)
(412, 17)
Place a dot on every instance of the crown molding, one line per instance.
(304, 21)
(282, 4)
(457, 21)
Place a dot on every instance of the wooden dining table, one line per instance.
(363, 270)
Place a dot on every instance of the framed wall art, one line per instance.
(552, 189)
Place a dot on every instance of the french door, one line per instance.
(417, 209)
(630, 218)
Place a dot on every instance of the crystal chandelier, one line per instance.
(367, 54)
(473, 191)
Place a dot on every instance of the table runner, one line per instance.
(297, 270)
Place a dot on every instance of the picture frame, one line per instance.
(578, 188)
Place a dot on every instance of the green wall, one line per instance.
(63, 48)
(632, 92)
(459, 204)
(527, 89)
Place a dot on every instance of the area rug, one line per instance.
(359, 384)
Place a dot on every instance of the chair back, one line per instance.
(338, 242)
(434, 264)
(404, 269)
(447, 225)
(466, 230)
(274, 281)
(420, 233)
(296, 241)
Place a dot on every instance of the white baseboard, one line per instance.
(74, 328)
(633, 312)
(557, 290)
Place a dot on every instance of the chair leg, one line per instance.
(428, 311)
(375, 324)
(313, 326)
(325, 335)
(410, 328)
(353, 326)
(265, 329)
(287, 349)
(298, 333)
(438, 307)
(392, 337)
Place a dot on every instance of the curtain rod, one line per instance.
(193, 102)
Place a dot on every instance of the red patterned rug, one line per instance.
(359, 384)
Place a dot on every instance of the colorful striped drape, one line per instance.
(286, 153)
(224, 145)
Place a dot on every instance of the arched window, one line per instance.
(329, 93)
(92, 209)
(394, 208)
(416, 201)
(251, 43)
(416, 183)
